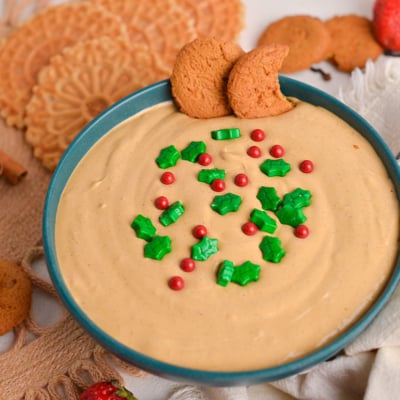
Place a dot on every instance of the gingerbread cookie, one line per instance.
(199, 77)
(307, 37)
(15, 295)
(253, 85)
(353, 41)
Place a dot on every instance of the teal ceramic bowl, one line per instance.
(126, 108)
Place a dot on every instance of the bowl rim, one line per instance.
(131, 105)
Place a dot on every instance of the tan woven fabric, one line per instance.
(20, 205)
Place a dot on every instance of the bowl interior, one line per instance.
(131, 105)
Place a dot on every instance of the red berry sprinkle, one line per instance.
(199, 231)
(188, 264)
(249, 228)
(277, 151)
(306, 166)
(218, 185)
(161, 202)
(258, 135)
(167, 178)
(204, 159)
(254, 151)
(301, 231)
(241, 180)
(176, 283)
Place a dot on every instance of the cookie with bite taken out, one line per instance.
(253, 84)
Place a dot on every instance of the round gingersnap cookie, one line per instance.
(353, 41)
(307, 37)
(200, 74)
(253, 84)
(15, 295)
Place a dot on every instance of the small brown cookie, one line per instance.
(15, 295)
(199, 77)
(307, 37)
(253, 85)
(353, 41)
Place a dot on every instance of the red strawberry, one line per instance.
(386, 23)
(111, 390)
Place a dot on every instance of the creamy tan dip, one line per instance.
(321, 286)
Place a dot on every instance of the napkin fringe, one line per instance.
(187, 393)
(370, 82)
(374, 93)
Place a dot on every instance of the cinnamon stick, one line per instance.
(10, 169)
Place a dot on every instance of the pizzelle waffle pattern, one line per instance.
(162, 24)
(30, 47)
(219, 19)
(78, 84)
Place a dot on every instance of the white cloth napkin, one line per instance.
(369, 369)
(375, 94)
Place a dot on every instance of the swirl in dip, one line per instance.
(323, 284)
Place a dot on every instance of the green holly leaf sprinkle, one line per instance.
(193, 150)
(226, 134)
(168, 157)
(275, 167)
(210, 175)
(204, 249)
(143, 227)
(271, 248)
(289, 215)
(158, 247)
(246, 273)
(298, 198)
(226, 203)
(269, 198)
(225, 273)
(263, 221)
(172, 213)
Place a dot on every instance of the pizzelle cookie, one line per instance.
(308, 39)
(353, 41)
(220, 19)
(77, 85)
(253, 85)
(162, 24)
(15, 295)
(30, 47)
(199, 77)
